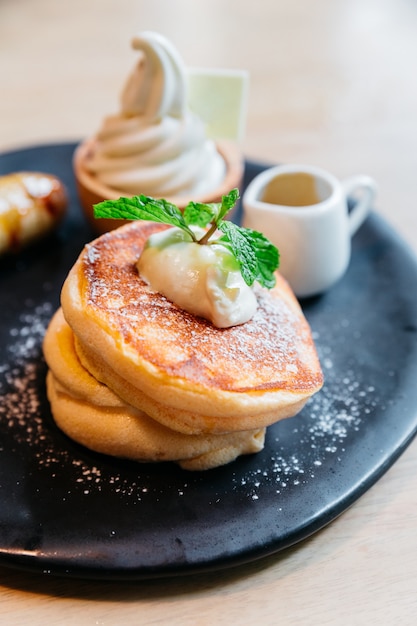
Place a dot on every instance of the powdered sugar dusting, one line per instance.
(22, 406)
(336, 413)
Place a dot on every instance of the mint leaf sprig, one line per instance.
(257, 257)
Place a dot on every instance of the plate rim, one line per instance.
(32, 562)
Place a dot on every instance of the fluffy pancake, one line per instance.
(90, 413)
(183, 371)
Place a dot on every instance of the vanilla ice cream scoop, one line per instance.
(204, 280)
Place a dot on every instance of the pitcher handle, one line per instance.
(368, 188)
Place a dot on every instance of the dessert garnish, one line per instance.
(205, 264)
(256, 256)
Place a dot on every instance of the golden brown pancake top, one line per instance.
(274, 350)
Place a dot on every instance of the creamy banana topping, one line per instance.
(204, 280)
(155, 145)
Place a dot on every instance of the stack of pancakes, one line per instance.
(134, 376)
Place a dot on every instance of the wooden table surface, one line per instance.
(333, 83)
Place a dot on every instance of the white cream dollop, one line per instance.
(155, 145)
(204, 280)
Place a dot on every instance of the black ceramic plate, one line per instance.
(68, 511)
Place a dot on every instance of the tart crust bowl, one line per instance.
(91, 190)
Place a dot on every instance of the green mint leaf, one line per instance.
(141, 208)
(227, 203)
(199, 214)
(220, 209)
(258, 258)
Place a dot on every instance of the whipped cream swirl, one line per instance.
(155, 145)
